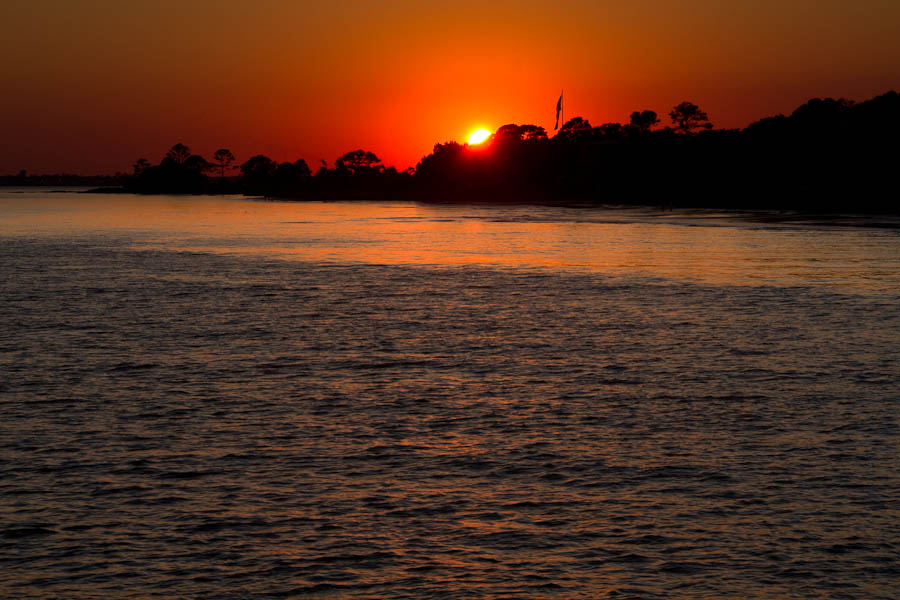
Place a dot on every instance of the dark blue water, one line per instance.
(204, 414)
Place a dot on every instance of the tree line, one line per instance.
(826, 155)
(359, 173)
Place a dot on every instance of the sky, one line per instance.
(89, 86)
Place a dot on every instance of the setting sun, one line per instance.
(479, 135)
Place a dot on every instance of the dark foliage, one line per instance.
(828, 155)
(178, 154)
(358, 162)
(224, 157)
(687, 117)
(178, 172)
(644, 120)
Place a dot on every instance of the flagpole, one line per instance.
(559, 111)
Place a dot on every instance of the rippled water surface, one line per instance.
(224, 398)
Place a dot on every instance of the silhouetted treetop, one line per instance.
(767, 126)
(827, 119)
(358, 161)
(195, 162)
(822, 109)
(508, 132)
(513, 132)
(292, 171)
(533, 132)
(644, 120)
(141, 165)
(224, 157)
(687, 117)
(178, 154)
(300, 167)
(575, 127)
(257, 166)
(447, 147)
(178, 172)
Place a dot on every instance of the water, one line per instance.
(223, 398)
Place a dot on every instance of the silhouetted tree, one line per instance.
(575, 127)
(289, 177)
(141, 165)
(178, 154)
(257, 173)
(509, 132)
(533, 132)
(687, 117)
(179, 172)
(822, 110)
(357, 162)
(871, 115)
(644, 120)
(768, 126)
(258, 165)
(440, 166)
(224, 157)
(301, 168)
(196, 163)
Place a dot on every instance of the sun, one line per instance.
(478, 136)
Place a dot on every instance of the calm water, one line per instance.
(222, 398)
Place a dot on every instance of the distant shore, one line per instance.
(829, 157)
(707, 214)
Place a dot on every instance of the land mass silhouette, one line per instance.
(827, 156)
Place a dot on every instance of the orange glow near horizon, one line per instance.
(89, 87)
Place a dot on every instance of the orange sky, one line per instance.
(88, 86)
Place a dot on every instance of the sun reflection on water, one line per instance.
(699, 246)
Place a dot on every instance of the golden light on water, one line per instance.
(408, 234)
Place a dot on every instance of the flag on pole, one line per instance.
(558, 111)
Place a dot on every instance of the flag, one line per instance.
(558, 110)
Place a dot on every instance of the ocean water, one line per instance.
(228, 398)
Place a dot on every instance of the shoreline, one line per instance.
(878, 220)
